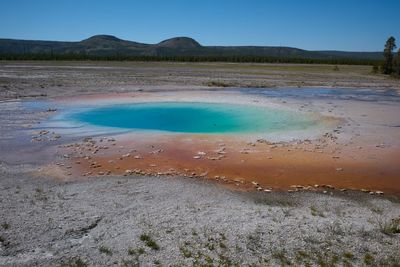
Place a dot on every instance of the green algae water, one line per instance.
(185, 117)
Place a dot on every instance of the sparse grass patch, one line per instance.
(210, 246)
(301, 255)
(130, 263)
(346, 263)
(327, 259)
(4, 241)
(222, 235)
(218, 84)
(368, 259)
(5, 226)
(389, 226)
(105, 250)
(185, 252)
(39, 190)
(139, 251)
(207, 248)
(222, 244)
(392, 261)
(254, 241)
(377, 210)
(40, 194)
(131, 251)
(149, 241)
(202, 259)
(75, 262)
(334, 260)
(281, 256)
(316, 212)
(279, 200)
(287, 212)
(224, 260)
(348, 255)
(338, 229)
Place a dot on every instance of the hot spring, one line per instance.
(194, 117)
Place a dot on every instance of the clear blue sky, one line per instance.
(353, 25)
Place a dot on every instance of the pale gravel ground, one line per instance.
(51, 222)
(40, 79)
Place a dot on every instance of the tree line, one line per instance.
(238, 59)
(391, 63)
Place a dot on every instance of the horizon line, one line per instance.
(208, 45)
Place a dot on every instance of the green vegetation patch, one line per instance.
(105, 250)
(149, 241)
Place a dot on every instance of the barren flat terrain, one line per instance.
(76, 196)
(30, 79)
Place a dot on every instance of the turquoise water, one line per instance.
(195, 117)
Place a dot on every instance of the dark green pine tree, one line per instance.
(397, 64)
(388, 54)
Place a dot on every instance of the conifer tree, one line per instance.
(388, 54)
(397, 64)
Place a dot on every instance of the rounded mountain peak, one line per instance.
(179, 42)
(103, 37)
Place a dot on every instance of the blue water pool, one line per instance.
(185, 117)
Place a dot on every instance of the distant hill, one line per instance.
(111, 46)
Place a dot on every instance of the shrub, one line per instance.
(389, 226)
(149, 242)
(105, 250)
